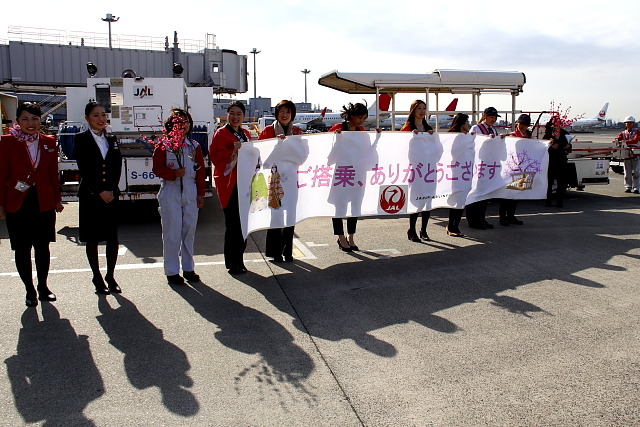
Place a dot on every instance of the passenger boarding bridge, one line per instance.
(47, 61)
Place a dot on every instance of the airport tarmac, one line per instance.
(533, 325)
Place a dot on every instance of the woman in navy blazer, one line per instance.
(30, 197)
(100, 164)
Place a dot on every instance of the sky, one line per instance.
(576, 54)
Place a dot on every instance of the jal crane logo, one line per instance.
(392, 199)
(143, 91)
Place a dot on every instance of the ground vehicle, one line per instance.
(8, 106)
(265, 121)
(137, 107)
(590, 161)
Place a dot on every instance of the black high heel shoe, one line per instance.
(113, 285)
(44, 294)
(342, 248)
(411, 235)
(31, 300)
(454, 233)
(238, 269)
(424, 236)
(101, 288)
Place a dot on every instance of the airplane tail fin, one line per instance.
(452, 106)
(323, 112)
(602, 115)
(384, 100)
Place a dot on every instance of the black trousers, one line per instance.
(507, 208)
(476, 212)
(234, 243)
(279, 242)
(455, 215)
(338, 226)
(557, 171)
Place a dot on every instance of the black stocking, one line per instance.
(112, 257)
(425, 220)
(42, 256)
(23, 264)
(92, 257)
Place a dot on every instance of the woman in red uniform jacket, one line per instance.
(223, 153)
(417, 122)
(30, 197)
(280, 240)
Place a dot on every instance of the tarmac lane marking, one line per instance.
(300, 251)
(377, 253)
(33, 259)
(121, 251)
(311, 244)
(303, 250)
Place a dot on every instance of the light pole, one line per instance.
(305, 71)
(254, 52)
(110, 18)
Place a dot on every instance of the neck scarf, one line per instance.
(280, 130)
(30, 141)
(18, 134)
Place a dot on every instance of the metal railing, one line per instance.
(118, 41)
(51, 104)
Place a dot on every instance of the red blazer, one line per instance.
(161, 169)
(269, 132)
(15, 165)
(220, 152)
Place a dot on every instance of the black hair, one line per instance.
(286, 104)
(178, 112)
(29, 107)
(350, 110)
(457, 122)
(238, 104)
(90, 106)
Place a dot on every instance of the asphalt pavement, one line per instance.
(532, 325)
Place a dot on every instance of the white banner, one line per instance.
(282, 182)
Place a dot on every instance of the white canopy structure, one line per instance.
(473, 83)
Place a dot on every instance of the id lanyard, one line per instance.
(34, 163)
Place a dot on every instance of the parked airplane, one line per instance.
(443, 121)
(325, 120)
(599, 119)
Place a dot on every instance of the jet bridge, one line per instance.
(473, 83)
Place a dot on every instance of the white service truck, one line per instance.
(591, 162)
(137, 109)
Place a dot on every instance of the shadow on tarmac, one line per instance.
(351, 300)
(282, 363)
(46, 386)
(149, 359)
